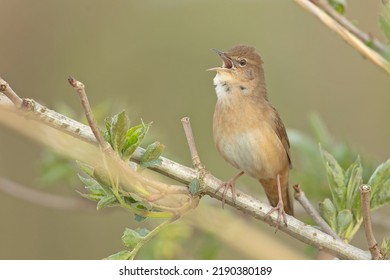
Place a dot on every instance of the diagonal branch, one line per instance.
(302, 199)
(184, 174)
(366, 38)
(353, 37)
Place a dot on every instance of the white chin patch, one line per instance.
(222, 87)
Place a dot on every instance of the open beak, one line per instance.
(227, 62)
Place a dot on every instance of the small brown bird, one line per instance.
(248, 131)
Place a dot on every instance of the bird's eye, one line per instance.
(242, 62)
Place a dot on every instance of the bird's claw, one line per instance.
(226, 186)
(281, 213)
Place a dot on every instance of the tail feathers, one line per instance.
(271, 190)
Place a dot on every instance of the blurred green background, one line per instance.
(149, 58)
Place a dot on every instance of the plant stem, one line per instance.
(149, 236)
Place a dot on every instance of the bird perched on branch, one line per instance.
(248, 131)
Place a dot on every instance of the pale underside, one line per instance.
(242, 135)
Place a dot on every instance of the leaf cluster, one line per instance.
(108, 191)
(308, 161)
(343, 211)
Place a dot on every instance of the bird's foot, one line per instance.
(225, 186)
(279, 207)
(231, 184)
(281, 214)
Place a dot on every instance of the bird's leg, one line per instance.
(230, 184)
(279, 207)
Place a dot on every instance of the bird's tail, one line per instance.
(271, 190)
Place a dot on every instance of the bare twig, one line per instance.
(184, 174)
(367, 38)
(80, 89)
(191, 143)
(365, 192)
(8, 91)
(350, 38)
(302, 199)
(43, 198)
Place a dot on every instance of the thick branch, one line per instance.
(184, 174)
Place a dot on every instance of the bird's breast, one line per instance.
(247, 141)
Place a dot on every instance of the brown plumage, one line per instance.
(248, 131)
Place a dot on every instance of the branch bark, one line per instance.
(365, 194)
(184, 174)
(302, 199)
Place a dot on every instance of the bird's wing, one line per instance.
(280, 130)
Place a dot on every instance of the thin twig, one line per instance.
(302, 199)
(191, 143)
(365, 192)
(368, 39)
(8, 91)
(184, 174)
(43, 198)
(350, 38)
(80, 89)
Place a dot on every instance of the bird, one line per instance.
(247, 129)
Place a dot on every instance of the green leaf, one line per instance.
(354, 179)
(134, 137)
(344, 220)
(194, 186)
(142, 231)
(86, 168)
(131, 238)
(151, 156)
(336, 179)
(107, 201)
(384, 21)
(385, 247)
(338, 5)
(120, 123)
(122, 255)
(88, 182)
(328, 212)
(380, 185)
(97, 190)
(92, 197)
(139, 218)
(107, 133)
(103, 195)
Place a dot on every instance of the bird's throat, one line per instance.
(223, 85)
